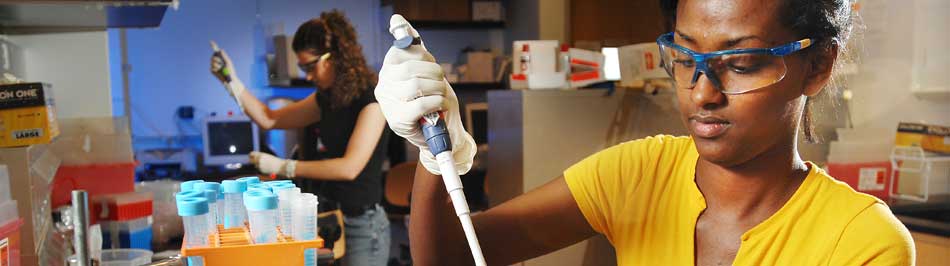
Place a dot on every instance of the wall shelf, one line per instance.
(453, 25)
(291, 83)
(31, 17)
(478, 86)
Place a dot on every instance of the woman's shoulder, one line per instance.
(868, 226)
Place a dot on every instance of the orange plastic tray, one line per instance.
(233, 247)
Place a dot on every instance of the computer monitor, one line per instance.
(228, 140)
(476, 121)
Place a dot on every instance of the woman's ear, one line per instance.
(820, 67)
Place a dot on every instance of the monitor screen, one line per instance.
(230, 138)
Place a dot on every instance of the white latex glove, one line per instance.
(412, 84)
(223, 69)
(270, 164)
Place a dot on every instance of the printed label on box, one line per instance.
(28, 133)
(871, 179)
(5, 252)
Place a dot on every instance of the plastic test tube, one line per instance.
(261, 214)
(234, 213)
(250, 179)
(261, 186)
(189, 185)
(286, 195)
(305, 223)
(194, 215)
(215, 204)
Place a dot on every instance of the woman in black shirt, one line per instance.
(351, 126)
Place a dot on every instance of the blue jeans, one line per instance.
(367, 238)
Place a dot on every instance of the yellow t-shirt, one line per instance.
(641, 195)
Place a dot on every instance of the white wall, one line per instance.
(76, 64)
(882, 88)
(170, 63)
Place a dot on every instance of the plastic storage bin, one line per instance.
(125, 257)
(135, 233)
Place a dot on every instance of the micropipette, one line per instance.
(437, 138)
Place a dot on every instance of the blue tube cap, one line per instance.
(260, 200)
(233, 186)
(250, 179)
(281, 186)
(189, 185)
(189, 194)
(211, 195)
(192, 206)
(258, 186)
(211, 186)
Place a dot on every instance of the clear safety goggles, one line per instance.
(731, 71)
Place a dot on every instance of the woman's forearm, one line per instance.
(256, 110)
(337, 169)
(435, 233)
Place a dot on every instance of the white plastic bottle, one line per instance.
(286, 195)
(194, 215)
(305, 223)
(235, 215)
(261, 215)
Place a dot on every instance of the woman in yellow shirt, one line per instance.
(735, 191)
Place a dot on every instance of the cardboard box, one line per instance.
(480, 67)
(27, 115)
(31, 170)
(931, 138)
(487, 11)
(638, 63)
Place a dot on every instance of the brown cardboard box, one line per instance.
(31, 170)
(27, 115)
(480, 67)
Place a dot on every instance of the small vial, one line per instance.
(250, 179)
(189, 185)
(194, 215)
(286, 195)
(235, 214)
(261, 186)
(215, 202)
(262, 215)
(305, 223)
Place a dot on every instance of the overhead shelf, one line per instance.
(291, 83)
(31, 17)
(478, 86)
(453, 25)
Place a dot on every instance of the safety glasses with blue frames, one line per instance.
(731, 71)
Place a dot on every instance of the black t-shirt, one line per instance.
(331, 135)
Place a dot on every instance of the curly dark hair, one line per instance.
(827, 22)
(333, 33)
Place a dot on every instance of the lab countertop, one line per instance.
(931, 217)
